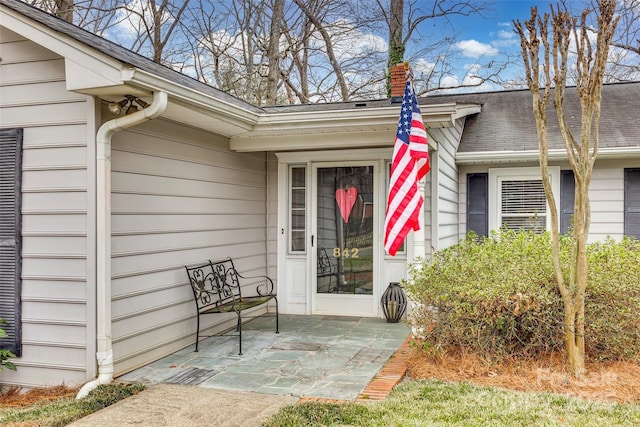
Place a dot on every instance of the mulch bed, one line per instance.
(17, 397)
(605, 381)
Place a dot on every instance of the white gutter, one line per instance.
(467, 158)
(104, 354)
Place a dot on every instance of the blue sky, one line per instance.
(491, 28)
(483, 39)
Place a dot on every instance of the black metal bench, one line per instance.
(217, 288)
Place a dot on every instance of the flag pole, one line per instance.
(419, 247)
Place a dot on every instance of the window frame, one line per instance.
(498, 175)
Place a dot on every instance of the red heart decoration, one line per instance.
(346, 199)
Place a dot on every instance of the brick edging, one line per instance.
(391, 374)
(393, 371)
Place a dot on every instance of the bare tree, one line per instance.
(153, 25)
(581, 150)
(333, 60)
(624, 63)
(273, 51)
(96, 16)
(61, 8)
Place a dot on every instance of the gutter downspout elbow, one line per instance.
(104, 353)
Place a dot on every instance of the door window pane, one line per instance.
(297, 209)
(345, 230)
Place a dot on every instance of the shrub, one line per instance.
(498, 297)
(612, 304)
(5, 355)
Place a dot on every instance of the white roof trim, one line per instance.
(346, 128)
(468, 158)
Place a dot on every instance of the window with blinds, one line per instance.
(523, 205)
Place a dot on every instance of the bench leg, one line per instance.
(197, 331)
(239, 329)
(277, 318)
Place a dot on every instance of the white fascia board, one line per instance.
(468, 158)
(464, 110)
(330, 118)
(316, 141)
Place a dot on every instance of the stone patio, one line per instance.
(326, 357)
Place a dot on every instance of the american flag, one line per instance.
(410, 163)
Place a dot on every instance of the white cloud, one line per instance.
(349, 41)
(130, 23)
(449, 81)
(505, 38)
(475, 49)
(423, 67)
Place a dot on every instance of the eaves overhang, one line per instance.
(339, 128)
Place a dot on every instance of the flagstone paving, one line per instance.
(313, 357)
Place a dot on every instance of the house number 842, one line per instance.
(345, 252)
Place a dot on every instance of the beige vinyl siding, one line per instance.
(272, 215)
(606, 194)
(55, 202)
(607, 199)
(179, 197)
(447, 179)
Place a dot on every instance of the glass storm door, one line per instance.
(343, 230)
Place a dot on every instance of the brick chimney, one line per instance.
(398, 82)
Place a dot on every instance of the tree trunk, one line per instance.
(326, 37)
(396, 42)
(64, 10)
(575, 357)
(273, 54)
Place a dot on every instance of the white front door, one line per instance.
(344, 234)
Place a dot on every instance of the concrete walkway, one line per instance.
(188, 406)
(313, 358)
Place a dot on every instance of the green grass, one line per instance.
(435, 403)
(61, 412)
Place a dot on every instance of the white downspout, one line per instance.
(104, 354)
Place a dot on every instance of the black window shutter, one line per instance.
(567, 199)
(10, 237)
(478, 203)
(632, 202)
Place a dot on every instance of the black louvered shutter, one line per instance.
(567, 199)
(10, 237)
(632, 202)
(478, 203)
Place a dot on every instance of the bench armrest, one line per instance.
(263, 289)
